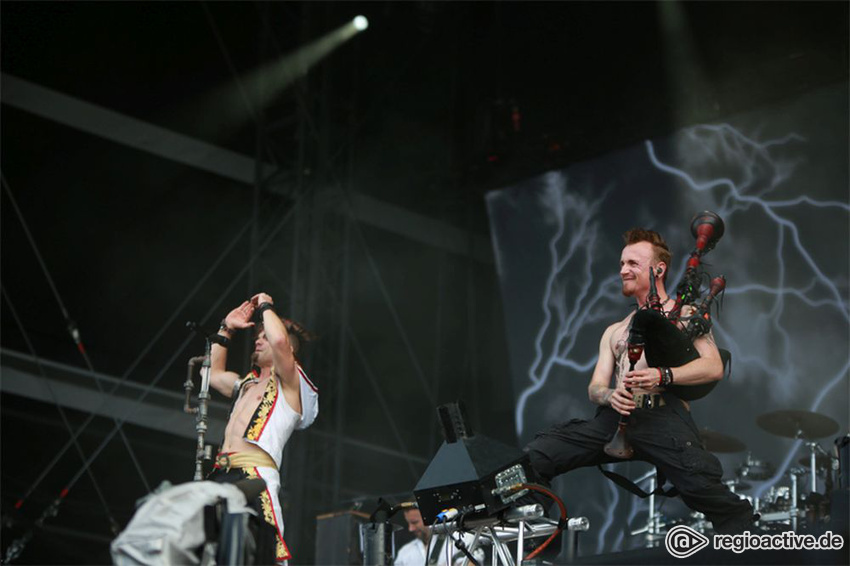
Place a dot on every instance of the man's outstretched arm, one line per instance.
(220, 379)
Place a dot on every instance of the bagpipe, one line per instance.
(667, 338)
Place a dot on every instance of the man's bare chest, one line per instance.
(620, 348)
(620, 339)
(250, 396)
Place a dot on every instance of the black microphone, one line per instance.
(211, 336)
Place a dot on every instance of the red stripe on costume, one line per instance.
(286, 554)
(307, 379)
(271, 411)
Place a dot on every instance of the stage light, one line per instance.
(234, 102)
(360, 23)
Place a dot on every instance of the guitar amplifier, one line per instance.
(338, 538)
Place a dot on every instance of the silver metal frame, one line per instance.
(519, 524)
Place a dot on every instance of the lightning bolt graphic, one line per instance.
(747, 182)
(564, 314)
(761, 175)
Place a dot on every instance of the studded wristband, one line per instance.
(666, 376)
(225, 328)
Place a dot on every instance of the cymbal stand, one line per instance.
(813, 465)
(814, 449)
(793, 509)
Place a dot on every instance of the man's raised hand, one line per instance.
(240, 317)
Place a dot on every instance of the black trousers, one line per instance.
(663, 436)
(265, 535)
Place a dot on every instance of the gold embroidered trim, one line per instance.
(261, 415)
(281, 550)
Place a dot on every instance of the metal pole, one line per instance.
(651, 530)
(793, 509)
(570, 546)
(520, 542)
(813, 462)
(201, 451)
(342, 364)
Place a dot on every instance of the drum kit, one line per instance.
(793, 500)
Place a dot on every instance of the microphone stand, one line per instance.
(188, 385)
(203, 451)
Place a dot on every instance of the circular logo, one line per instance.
(682, 541)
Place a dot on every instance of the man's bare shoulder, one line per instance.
(616, 327)
(610, 330)
(620, 323)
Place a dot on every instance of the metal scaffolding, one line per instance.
(306, 232)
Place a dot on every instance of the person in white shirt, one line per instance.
(426, 549)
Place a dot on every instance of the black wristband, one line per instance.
(225, 328)
(666, 377)
(222, 341)
(263, 307)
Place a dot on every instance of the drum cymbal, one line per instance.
(720, 443)
(797, 424)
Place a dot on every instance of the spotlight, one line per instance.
(360, 23)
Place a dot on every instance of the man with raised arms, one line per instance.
(273, 400)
